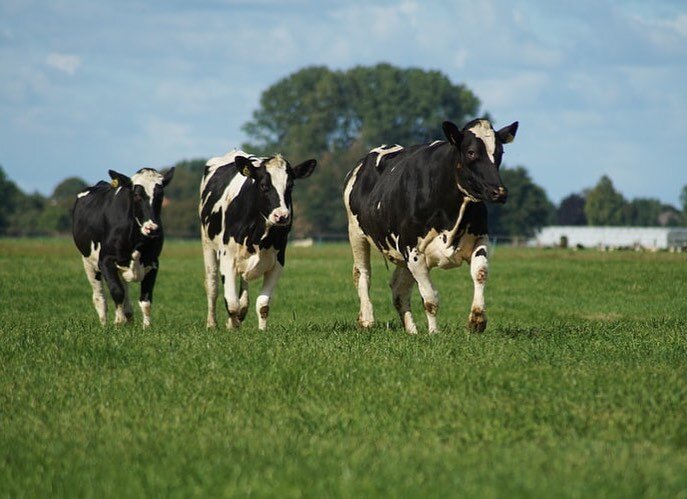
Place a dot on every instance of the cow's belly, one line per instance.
(251, 266)
(438, 253)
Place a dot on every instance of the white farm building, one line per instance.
(652, 238)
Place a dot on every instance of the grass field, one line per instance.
(577, 389)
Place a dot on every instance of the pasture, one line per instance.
(578, 388)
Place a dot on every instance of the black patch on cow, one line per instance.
(481, 252)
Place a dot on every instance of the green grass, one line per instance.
(577, 389)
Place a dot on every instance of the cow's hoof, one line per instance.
(242, 313)
(365, 323)
(477, 322)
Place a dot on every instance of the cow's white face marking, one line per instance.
(276, 167)
(485, 133)
(148, 179)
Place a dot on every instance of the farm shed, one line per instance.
(654, 238)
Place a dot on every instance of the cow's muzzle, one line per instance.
(499, 195)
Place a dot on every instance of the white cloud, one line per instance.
(66, 63)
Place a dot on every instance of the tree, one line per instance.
(9, 192)
(604, 204)
(642, 212)
(336, 116)
(180, 208)
(526, 210)
(571, 211)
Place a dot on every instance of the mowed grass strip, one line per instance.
(578, 388)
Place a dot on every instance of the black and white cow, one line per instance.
(118, 230)
(423, 207)
(245, 215)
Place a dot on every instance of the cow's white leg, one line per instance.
(211, 277)
(99, 299)
(362, 274)
(145, 311)
(231, 299)
(418, 267)
(262, 304)
(479, 270)
(243, 299)
(401, 285)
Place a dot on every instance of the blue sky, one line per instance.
(599, 87)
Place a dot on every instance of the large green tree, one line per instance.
(604, 204)
(336, 116)
(527, 209)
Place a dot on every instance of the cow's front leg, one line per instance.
(262, 304)
(110, 273)
(146, 300)
(401, 285)
(243, 299)
(479, 270)
(231, 299)
(430, 298)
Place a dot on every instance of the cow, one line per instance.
(423, 207)
(118, 230)
(245, 215)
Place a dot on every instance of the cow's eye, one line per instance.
(471, 154)
(264, 187)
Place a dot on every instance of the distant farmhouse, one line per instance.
(647, 238)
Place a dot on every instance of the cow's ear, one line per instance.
(119, 179)
(452, 133)
(245, 166)
(507, 133)
(305, 169)
(167, 177)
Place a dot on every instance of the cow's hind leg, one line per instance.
(401, 284)
(211, 278)
(362, 274)
(479, 270)
(99, 299)
(430, 298)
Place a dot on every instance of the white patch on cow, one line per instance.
(440, 249)
(379, 205)
(117, 191)
(436, 143)
(484, 131)
(383, 151)
(83, 194)
(148, 179)
(134, 272)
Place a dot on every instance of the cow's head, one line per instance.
(274, 179)
(481, 149)
(146, 191)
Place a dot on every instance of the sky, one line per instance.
(599, 86)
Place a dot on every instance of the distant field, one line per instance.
(577, 389)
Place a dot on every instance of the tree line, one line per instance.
(336, 117)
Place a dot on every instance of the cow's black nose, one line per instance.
(499, 195)
(282, 219)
